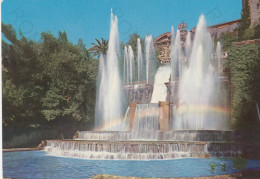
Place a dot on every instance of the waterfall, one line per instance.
(188, 144)
(146, 121)
(177, 135)
(159, 89)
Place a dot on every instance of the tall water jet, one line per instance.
(159, 89)
(218, 53)
(126, 67)
(188, 45)
(196, 108)
(139, 60)
(109, 105)
(101, 92)
(131, 64)
(172, 36)
(175, 56)
(149, 57)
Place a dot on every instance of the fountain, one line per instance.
(139, 60)
(179, 115)
(149, 57)
(160, 90)
(197, 98)
(109, 111)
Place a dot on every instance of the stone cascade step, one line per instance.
(143, 150)
(181, 135)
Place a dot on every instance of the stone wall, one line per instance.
(254, 11)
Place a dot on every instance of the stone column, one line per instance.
(164, 115)
(132, 107)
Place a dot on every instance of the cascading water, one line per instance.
(146, 122)
(109, 114)
(179, 144)
(159, 89)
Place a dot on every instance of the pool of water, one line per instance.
(40, 165)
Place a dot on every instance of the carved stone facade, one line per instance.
(141, 93)
(163, 42)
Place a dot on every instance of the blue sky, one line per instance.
(90, 19)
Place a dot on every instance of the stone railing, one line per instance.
(245, 42)
(223, 55)
(212, 57)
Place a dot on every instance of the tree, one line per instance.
(245, 21)
(226, 39)
(132, 41)
(47, 81)
(100, 47)
(22, 86)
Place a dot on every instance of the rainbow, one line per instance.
(182, 109)
(111, 125)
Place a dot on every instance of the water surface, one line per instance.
(40, 165)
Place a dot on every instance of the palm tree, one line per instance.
(100, 47)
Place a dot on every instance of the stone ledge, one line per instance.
(252, 174)
(21, 149)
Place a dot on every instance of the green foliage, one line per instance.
(132, 41)
(243, 63)
(223, 166)
(9, 32)
(248, 34)
(226, 40)
(257, 31)
(213, 166)
(245, 32)
(51, 80)
(239, 163)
